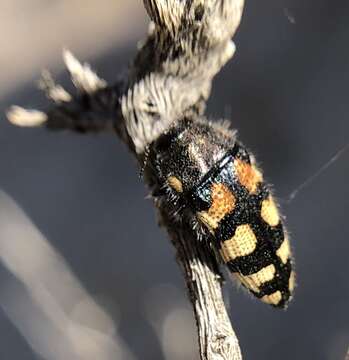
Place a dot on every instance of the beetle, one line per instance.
(210, 181)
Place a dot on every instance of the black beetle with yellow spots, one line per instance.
(211, 182)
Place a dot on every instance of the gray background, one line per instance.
(286, 91)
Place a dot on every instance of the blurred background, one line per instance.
(85, 272)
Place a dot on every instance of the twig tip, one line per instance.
(25, 117)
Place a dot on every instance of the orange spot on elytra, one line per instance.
(284, 251)
(292, 281)
(248, 175)
(269, 212)
(243, 243)
(273, 298)
(256, 280)
(175, 184)
(223, 203)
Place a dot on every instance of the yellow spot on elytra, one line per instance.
(175, 183)
(243, 243)
(283, 252)
(273, 298)
(223, 203)
(256, 280)
(292, 281)
(248, 175)
(269, 212)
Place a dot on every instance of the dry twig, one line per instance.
(188, 43)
